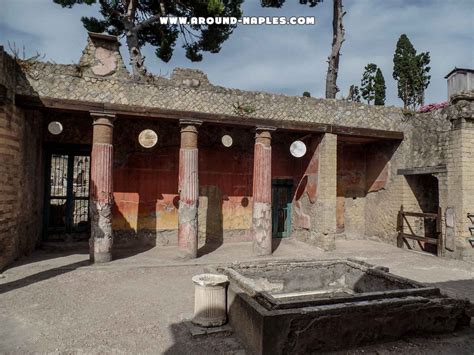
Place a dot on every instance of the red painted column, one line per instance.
(262, 192)
(188, 186)
(101, 188)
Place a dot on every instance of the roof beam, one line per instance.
(154, 112)
(423, 170)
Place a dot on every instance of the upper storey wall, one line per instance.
(101, 77)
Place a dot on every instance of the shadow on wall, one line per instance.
(131, 243)
(379, 155)
(145, 187)
(214, 233)
(362, 167)
(131, 246)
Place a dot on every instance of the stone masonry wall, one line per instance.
(21, 172)
(460, 161)
(429, 136)
(323, 212)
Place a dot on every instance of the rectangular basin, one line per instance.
(282, 307)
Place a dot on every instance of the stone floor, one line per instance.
(139, 303)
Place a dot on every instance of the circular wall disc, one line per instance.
(55, 127)
(298, 149)
(147, 138)
(227, 140)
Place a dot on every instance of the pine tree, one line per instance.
(411, 73)
(379, 88)
(368, 82)
(139, 22)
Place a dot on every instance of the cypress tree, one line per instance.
(367, 87)
(411, 72)
(379, 88)
(423, 78)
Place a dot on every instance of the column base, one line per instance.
(324, 241)
(100, 250)
(99, 258)
(188, 229)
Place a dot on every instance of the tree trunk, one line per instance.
(136, 59)
(333, 60)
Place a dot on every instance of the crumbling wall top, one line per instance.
(102, 58)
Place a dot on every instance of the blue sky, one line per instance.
(279, 59)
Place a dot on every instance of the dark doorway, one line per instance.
(426, 191)
(282, 195)
(66, 215)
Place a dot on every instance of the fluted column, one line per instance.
(101, 188)
(262, 192)
(188, 186)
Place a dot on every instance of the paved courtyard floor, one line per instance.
(58, 303)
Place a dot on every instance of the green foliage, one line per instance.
(368, 82)
(379, 88)
(423, 77)
(410, 70)
(306, 94)
(242, 109)
(215, 7)
(196, 39)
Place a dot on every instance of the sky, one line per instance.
(279, 59)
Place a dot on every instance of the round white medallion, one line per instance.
(148, 138)
(227, 140)
(298, 149)
(55, 127)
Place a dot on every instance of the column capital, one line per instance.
(103, 118)
(102, 114)
(260, 129)
(190, 122)
(189, 133)
(263, 135)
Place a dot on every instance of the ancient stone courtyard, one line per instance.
(139, 303)
(115, 193)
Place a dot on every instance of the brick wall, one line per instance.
(322, 213)
(20, 172)
(460, 178)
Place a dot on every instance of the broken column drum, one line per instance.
(262, 192)
(210, 300)
(101, 191)
(188, 186)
